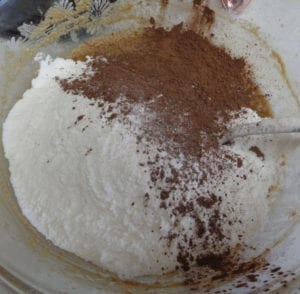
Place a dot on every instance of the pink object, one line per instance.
(235, 5)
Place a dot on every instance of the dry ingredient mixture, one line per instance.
(126, 168)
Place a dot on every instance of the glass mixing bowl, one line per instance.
(31, 264)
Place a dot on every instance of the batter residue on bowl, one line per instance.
(117, 159)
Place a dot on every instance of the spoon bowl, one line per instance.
(264, 127)
(235, 5)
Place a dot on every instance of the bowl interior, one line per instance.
(28, 261)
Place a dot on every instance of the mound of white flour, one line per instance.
(79, 181)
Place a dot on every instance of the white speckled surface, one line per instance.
(279, 22)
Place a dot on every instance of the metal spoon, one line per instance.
(235, 5)
(264, 127)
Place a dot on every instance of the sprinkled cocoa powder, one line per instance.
(184, 90)
(156, 75)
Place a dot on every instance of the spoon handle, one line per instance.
(264, 127)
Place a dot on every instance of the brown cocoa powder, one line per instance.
(190, 85)
(197, 83)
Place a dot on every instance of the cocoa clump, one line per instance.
(79, 118)
(207, 202)
(239, 162)
(183, 260)
(257, 152)
(214, 261)
(164, 195)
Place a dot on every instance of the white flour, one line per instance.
(79, 181)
